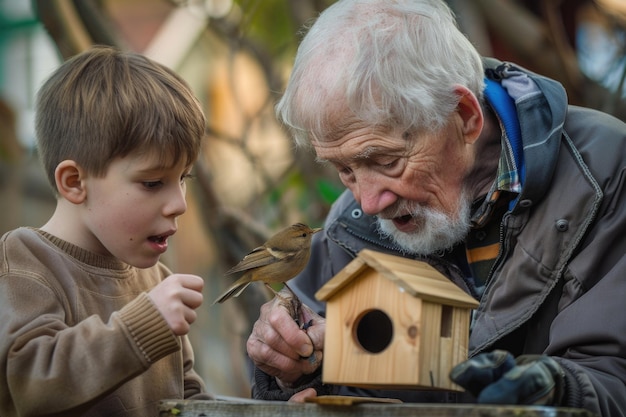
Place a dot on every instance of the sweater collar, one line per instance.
(84, 256)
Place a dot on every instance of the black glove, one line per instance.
(498, 378)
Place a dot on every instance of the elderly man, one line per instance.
(480, 168)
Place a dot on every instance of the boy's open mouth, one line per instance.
(158, 239)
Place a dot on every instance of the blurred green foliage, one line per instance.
(269, 22)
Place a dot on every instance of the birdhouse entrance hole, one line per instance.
(373, 331)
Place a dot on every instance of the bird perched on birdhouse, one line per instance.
(394, 323)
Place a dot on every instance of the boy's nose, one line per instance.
(177, 204)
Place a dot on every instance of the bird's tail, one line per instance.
(233, 291)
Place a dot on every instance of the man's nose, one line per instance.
(372, 194)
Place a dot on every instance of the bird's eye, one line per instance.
(303, 234)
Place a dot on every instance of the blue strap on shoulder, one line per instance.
(504, 105)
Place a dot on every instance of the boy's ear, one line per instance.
(471, 114)
(69, 177)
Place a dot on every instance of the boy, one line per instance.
(91, 323)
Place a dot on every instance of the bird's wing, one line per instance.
(258, 257)
(280, 255)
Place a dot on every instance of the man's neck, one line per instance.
(488, 149)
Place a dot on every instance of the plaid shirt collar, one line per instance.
(507, 183)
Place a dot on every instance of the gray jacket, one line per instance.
(558, 286)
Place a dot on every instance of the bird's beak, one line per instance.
(318, 229)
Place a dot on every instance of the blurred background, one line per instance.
(251, 181)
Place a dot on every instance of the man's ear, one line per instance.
(471, 114)
(69, 177)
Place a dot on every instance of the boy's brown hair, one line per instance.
(104, 103)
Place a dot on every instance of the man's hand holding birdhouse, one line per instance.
(288, 353)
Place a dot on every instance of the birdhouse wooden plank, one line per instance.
(393, 322)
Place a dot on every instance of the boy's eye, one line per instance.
(152, 184)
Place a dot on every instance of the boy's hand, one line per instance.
(176, 298)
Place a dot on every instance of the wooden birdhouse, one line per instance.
(393, 323)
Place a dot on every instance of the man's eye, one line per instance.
(344, 170)
(345, 173)
(390, 165)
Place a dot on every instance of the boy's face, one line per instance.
(131, 211)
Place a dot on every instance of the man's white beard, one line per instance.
(438, 231)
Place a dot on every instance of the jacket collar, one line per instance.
(543, 101)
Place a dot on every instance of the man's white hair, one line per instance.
(386, 63)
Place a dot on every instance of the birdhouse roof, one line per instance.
(417, 278)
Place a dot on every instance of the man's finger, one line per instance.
(301, 396)
(289, 331)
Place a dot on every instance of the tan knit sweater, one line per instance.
(80, 336)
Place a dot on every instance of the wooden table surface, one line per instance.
(238, 407)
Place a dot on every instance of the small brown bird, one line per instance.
(279, 259)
